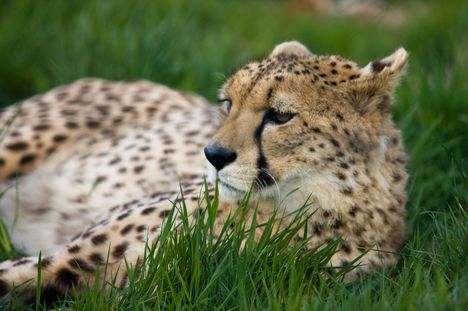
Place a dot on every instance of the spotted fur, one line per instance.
(109, 157)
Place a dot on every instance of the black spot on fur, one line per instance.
(87, 234)
(119, 250)
(335, 142)
(123, 216)
(99, 239)
(51, 150)
(127, 109)
(66, 277)
(45, 262)
(18, 146)
(337, 224)
(115, 161)
(26, 159)
(353, 210)
(138, 169)
(141, 228)
(126, 229)
(41, 127)
(71, 125)
(345, 247)
(165, 213)
(74, 249)
(318, 229)
(96, 259)
(148, 210)
(100, 179)
(340, 176)
(92, 124)
(397, 177)
(79, 264)
(59, 138)
(20, 262)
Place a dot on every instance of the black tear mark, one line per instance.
(263, 176)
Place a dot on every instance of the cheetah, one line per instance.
(91, 170)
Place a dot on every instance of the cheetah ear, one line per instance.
(290, 48)
(371, 93)
(388, 70)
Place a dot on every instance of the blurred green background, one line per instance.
(193, 45)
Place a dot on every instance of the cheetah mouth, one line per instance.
(230, 187)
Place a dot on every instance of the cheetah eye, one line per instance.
(228, 103)
(277, 117)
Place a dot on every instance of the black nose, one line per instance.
(219, 156)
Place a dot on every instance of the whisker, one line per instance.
(274, 180)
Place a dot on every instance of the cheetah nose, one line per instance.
(219, 156)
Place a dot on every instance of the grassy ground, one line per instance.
(193, 45)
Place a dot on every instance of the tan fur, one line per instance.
(340, 151)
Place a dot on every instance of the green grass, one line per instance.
(194, 45)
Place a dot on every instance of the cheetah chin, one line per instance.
(90, 170)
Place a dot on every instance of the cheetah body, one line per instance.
(99, 163)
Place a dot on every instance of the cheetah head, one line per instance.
(296, 117)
